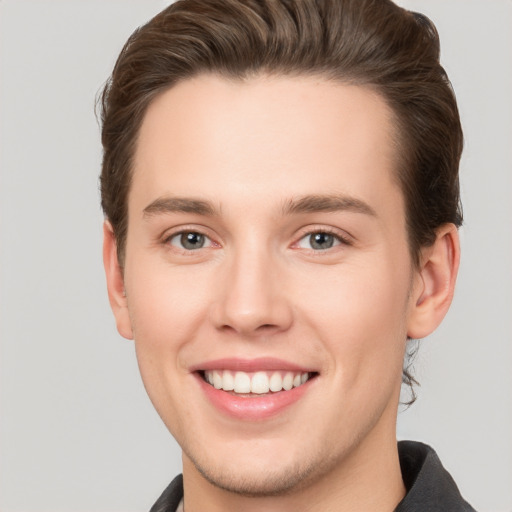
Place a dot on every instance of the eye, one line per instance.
(190, 240)
(319, 241)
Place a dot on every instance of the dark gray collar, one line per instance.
(430, 488)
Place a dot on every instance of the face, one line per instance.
(269, 286)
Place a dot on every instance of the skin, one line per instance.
(258, 288)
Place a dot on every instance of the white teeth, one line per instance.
(228, 381)
(258, 382)
(276, 382)
(242, 383)
(288, 381)
(217, 380)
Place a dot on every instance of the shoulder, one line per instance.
(171, 497)
(429, 486)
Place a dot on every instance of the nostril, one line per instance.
(260, 329)
(266, 327)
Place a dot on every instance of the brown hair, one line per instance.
(373, 43)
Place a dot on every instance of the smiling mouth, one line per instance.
(255, 383)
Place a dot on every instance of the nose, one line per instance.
(252, 297)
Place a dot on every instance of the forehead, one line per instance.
(265, 137)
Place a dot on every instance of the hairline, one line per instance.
(396, 138)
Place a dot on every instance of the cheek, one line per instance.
(359, 312)
(167, 310)
(165, 303)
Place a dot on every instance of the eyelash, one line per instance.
(338, 240)
(183, 232)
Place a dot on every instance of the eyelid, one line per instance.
(179, 234)
(342, 236)
(169, 234)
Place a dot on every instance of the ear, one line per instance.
(434, 282)
(115, 282)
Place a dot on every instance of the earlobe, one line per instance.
(115, 282)
(434, 283)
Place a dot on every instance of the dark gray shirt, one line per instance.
(430, 488)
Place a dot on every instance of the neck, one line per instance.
(368, 478)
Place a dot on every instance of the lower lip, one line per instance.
(253, 407)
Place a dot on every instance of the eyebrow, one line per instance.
(327, 203)
(180, 205)
(305, 204)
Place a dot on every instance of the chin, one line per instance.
(254, 482)
(263, 476)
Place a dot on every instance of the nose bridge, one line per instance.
(252, 299)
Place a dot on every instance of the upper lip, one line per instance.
(250, 365)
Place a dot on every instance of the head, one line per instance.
(205, 71)
(375, 44)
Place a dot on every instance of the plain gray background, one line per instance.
(77, 432)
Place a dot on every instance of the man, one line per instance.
(280, 185)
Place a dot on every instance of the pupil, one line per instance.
(192, 240)
(321, 241)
